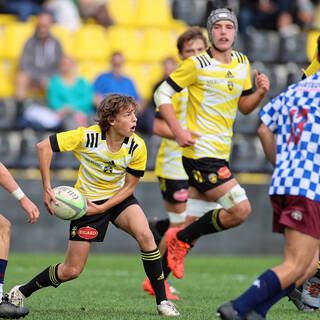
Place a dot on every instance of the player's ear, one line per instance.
(111, 121)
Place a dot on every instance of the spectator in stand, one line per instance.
(96, 9)
(115, 81)
(24, 8)
(65, 13)
(267, 14)
(39, 61)
(70, 96)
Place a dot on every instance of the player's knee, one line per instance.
(144, 236)
(243, 211)
(235, 201)
(5, 227)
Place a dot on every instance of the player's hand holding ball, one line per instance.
(70, 203)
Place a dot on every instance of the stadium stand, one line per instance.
(145, 32)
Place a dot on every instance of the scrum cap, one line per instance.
(218, 15)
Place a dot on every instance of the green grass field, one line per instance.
(111, 288)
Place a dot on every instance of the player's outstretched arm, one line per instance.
(45, 156)
(8, 182)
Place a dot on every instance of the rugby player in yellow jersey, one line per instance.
(219, 84)
(112, 160)
(169, 169)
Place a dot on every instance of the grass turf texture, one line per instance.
(110, 287)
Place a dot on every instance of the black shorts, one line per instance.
(94, 228)
(206, 173)
(174, 191)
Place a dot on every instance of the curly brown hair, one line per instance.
(110, 106)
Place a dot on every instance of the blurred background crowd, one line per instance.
(59, 58)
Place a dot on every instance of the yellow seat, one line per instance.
(90, 69)
(159, 44)
(6, 80)
(128, 41)
(65, 37)
(123, 12)
(155, 13)
(312, 43)
(141, 74)
(6, 19)
(91, 43)
(16, 34)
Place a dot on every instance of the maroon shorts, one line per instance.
(296, 212)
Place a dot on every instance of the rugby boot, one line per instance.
(177, 250)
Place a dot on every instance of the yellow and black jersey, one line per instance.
(102, 172)
(214, 89)
(313, 67)
(169, 158)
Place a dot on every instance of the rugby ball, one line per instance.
(71, 205)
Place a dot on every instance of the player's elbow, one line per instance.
(262, 130)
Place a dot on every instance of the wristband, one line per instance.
(18, 194)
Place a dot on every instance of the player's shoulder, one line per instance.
(201, 60)
(239, 57)
(134, 143)
(137, 139)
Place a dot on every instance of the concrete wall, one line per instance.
(50, 234)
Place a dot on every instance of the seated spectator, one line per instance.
(268, 14)
(65, 13)
(24, 8)
(115, 81)
(70, 96)
(96, 9)
(39, 60)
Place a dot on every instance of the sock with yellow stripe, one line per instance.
(208, 223)
(153, 269)
(48, 277)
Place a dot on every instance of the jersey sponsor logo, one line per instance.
(181, 195)
(87, 233)
(109, 167)
(230, 85)
(224, 173)
(297, 215)
(197, 176)
(213, 177)
(298, 120)
(92, 140)
(73, 232)
(229, 75)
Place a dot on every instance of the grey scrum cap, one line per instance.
(218, 15)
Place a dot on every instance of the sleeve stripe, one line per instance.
(54, 143)
(173, 85)
(137, 173)
(198, 58)
(246, 92)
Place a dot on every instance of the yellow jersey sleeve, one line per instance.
(68, 140)
(247, 87)
(184, 76)
(138, 163)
